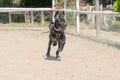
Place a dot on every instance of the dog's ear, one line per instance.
(62, 15)
(56, 14)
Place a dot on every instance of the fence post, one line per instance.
(42, 18)
(32, 18)
(25, 15)
(88, 15)
(77, 17)
(53, 3)
(97, 19)
(65, 3)
(9, 17)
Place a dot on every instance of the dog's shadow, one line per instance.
(52, 58)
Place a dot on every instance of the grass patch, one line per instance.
(116, 26)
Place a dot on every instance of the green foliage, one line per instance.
(71, 4)
(70, 18)
(35, 3)
(90, 1)
(6, 3)
(26, 3)
(116, 26)
(117, 6)
(4, 17)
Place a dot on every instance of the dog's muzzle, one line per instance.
(60, 29)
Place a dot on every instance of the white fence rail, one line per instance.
(23, 9)
(66, 10)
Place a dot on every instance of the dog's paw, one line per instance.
(47, 55)
(58, 57)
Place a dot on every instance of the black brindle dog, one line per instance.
(57, 34)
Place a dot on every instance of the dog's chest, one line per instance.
(58, 36)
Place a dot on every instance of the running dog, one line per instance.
(57, 34)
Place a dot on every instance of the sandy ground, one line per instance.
(22, 57)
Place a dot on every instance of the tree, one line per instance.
(117, 5)
(91, 2)
(117, 8)
(35, 3)
(6, 3)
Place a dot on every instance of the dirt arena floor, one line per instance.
(22, 57)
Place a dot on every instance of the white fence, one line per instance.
(66, 10)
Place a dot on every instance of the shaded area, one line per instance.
(52, 58)
(99, 40)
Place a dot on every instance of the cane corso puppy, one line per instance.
(57, 34)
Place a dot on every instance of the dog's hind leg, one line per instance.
(49, 48)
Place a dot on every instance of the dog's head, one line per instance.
(60, 23)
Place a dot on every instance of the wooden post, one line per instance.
(77, 17)
(25, 15)
(9, 17)
(97, 19)
(88, 15)
(101, 7)
(32, 18)
(53, 3)
(42, 18)
(65, 3)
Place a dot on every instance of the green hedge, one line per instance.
(6, 3)
(117, 6)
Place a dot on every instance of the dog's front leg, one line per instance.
(61, 43)
(60, 47)
(49, 48)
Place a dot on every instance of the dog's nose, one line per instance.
(65, 25)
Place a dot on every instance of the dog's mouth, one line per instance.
(60, 29)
